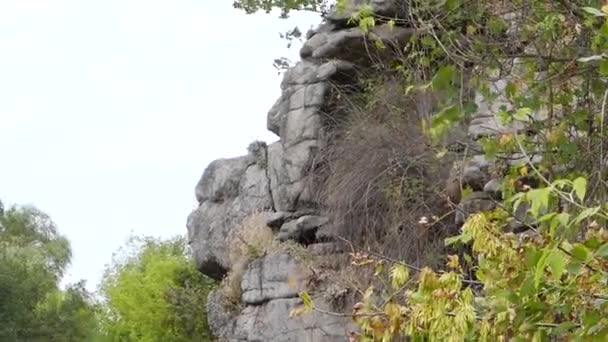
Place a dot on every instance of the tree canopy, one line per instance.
(153, 292)
(33, 257)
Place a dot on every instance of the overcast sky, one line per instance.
(110, 110)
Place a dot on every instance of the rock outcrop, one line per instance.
(277, 179)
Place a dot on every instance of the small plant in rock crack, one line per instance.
(249, 240)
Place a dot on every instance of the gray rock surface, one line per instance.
(219, 316)
(325, 248)
(270, 293)
(494, 188)
(272, 277)
(474, 203)
(352, 44)
(221, 179)
(229, 190)
(272, 322)
(303, 229)
(277, 219)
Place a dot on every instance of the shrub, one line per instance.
(380, 175)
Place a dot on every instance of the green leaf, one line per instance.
(444, 77)
(546, 217)
(540, 267)
(564, 327)
(452, 240)
(557, 263)
(575, 268)
(594, 11)
(580, 187)
(586, 213)
(604, 67)
(580, 252)
(564, 219)
(539, 200)
(522, 114)
(603, 251)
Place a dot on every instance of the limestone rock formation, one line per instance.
(278, 179)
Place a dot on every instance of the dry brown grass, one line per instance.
(379, 176)
(250, 240)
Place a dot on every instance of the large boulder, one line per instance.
(353, 44)
(272, 321)
(229, 190)
(270, 291)
(272, 277)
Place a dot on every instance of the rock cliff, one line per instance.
(278, 179)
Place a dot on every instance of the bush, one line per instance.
(380, 175)
(153, 292)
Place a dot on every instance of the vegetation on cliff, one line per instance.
(541, 69)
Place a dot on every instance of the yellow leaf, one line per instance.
(605, 9)
(453, 262)
(505, 139)
(399, 276)
(308, 304)
(523, 170)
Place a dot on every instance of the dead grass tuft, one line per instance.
(248, 241)
(380, 183)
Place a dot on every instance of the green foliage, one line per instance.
(551, 283)
(285, 6)
(153, 292)
(67, 315)
(33, 256)
(28, 227)
(548, 287)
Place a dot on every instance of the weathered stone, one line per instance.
(310, 222)
(289, 231)
(301, 124)
(522, 220)
(272, 277)
(288, 169)
(324, 248)
(303, 229)
(221, 320)
(271, 321)
(494, 188)
(208, 227)
(350, 44)
(323, 27)
(221, 179)
(324, 233)
(490, 126)
(474, 203)
(227, 196)
(276, 220)
(474, 178)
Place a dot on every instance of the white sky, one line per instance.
(110, 110)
